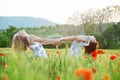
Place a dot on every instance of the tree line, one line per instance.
(108, 38)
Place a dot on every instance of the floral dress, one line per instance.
(76, 46)
(38, 50)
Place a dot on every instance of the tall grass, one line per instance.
(24, 66)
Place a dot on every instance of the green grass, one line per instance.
(23, 66)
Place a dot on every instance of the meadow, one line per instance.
(59, 66)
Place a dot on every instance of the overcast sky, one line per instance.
(54, 10)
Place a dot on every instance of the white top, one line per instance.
(38, 50)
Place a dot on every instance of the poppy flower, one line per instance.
(4, 77)
(112, 57)
(4, 64)
(100, 52)
(106, 77)
(94, 54)
(57, 52)
(58, 77)
(1, 54)
(83, 73)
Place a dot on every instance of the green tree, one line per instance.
(3, 40)
(110, 37)
(7, 35)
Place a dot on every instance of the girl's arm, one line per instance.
(44, 41)
(71, 38)
(50, 41)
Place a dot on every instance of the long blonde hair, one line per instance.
(19, 43)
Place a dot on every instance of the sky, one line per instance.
(57, 11)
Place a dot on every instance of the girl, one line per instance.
(89, 42)
(22, 41)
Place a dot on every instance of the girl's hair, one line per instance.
(19, 43)
(92, 47)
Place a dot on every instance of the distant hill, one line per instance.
(24, 22)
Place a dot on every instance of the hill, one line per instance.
(24, 22)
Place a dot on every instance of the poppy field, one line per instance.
(100, 65)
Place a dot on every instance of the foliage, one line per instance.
(89, 29)
(7, 35)
(95, 16)
(110, 37)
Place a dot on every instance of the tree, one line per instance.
(7, 35)
(110, 37)
(95, 16)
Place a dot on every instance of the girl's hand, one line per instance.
(57, 41)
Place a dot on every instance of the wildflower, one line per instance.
(58, 77)
(83, 73)
(57, 52)
(94, 54)
(1, 54)
(106, 77)
(118, 63)
(94, 70)
(4, 64)
(112, 57)
(5, 77)
(100, 52)
(113, 71)
(85, 57)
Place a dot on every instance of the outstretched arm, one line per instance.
(50, 41)
(71, 38)
(44, 41)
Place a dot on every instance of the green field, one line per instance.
(23, 66)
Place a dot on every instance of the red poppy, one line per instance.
(106, 77)
(58, 77)
(112, 57)
(100, 52)
(4, 77)
(1, 54)
(4, 64)
(94, 54)
(83, 73)
(57, 52)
